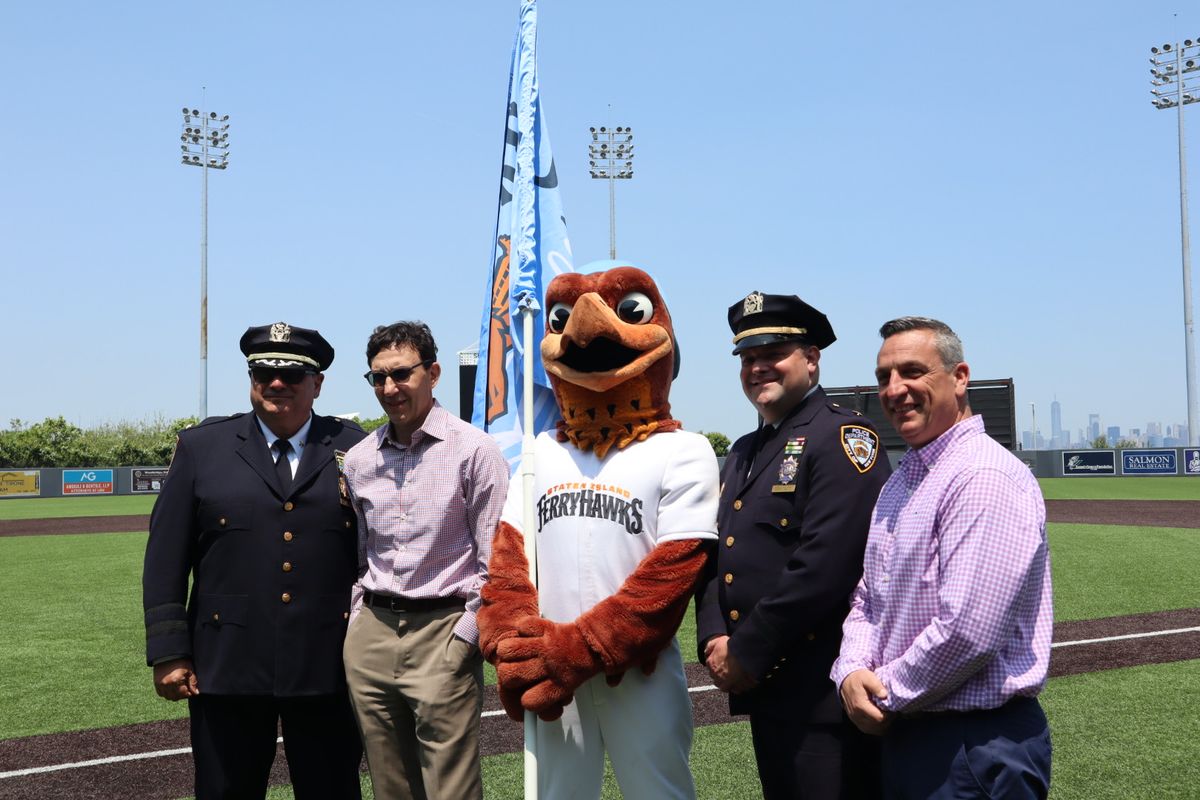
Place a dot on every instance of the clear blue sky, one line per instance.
(998, 166)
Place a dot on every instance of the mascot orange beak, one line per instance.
(597, 350)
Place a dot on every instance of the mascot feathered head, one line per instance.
(610, 353)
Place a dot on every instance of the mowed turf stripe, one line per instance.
(151, 773)
(42, 527)
(1146, 513)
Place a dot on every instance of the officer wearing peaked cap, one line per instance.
(796, 500)
(254, 510)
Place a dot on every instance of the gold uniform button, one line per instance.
(728, 577)
(733, 615)
(287, 566)
(216, 617)
(347, 523)
(289, 505)
(811, 636)
(729, 541)
(345, 615)
(287, 598)
(737, 505)
(287, 536)
(783, 523)
(222, 522)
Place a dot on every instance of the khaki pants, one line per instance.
(417, 691)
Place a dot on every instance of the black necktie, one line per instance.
(765, 434)
(283, 468)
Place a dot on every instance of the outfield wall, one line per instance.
(92, 481)
(81, 482)
(1146, 462)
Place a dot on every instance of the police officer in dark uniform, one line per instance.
(255, 511)
(796, 501)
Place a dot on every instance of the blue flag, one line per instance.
(530, 248)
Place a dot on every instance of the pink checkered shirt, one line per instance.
(427, 512)
(954, 609)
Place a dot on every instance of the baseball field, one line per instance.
(79, 719)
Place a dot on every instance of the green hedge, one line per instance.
(54, 442)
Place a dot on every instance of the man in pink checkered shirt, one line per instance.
(428, 490)
(947, 643)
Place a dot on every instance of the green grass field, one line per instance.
(88, 506)
(1144, 488)
(1118, 734)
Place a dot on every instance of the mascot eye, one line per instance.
(556, 320)
(635, 308)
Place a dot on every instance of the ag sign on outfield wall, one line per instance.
(21, 483)
(1089, 462)
(1148, 462)
(87, 481)
(1191, 461)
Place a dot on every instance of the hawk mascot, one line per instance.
(624, 502)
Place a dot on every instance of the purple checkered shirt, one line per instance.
(427, 512)
(954, 609)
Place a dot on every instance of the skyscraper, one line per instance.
(1093, 429)
(1056, 431)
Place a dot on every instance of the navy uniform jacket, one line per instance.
(271, 573)
(791, 538)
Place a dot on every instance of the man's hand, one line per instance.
(857, 691)
(175, 679)
(724, 668)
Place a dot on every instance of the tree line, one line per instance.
(54, 442)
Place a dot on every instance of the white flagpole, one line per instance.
(529, 526)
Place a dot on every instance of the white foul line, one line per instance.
(17, 773)
(1126, 636)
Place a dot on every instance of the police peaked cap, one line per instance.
(760, 319)
(286, 346)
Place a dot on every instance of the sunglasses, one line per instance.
(267, 375)
(378, 378)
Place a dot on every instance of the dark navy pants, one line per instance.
(996, 753)
(233, 746)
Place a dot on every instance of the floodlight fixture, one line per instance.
(610, 157)
(205, 145)
(1175, 86)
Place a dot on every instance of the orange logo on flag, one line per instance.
(499, 336)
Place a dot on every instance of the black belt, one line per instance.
(1012, 704)
(398, 605)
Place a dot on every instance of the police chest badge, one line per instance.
(786, 479)
(861, 446)
(339, 457)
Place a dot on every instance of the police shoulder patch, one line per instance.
(861, 445)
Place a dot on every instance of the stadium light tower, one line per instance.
(610, 157)
(205, 137)
(1174, 66)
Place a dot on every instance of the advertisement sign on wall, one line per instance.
(87, 481)
(21, 483)
(1089, 462)
(148, 480)
(1148, 462)
(1191, 461)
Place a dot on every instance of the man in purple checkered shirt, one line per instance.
(428, 490)
(947, 642)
